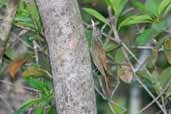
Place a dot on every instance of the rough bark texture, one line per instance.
(69, 56)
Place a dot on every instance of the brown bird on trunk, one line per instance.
(99, 57)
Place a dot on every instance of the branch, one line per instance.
(127, 52)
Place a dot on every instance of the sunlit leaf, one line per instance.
(39, 110)
(28, 17)
(135, 19)
(96, 14)
(163, 6)
(139, 5)
(167, 10)
(36, 72)
(33, 11)
(23, 20)
(37, 84)
(119, 106)
(117, 6)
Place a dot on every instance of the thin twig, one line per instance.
(116, 87)
(154, 100)
(118, 40)
(137, 78)
(149, 92)
(163, 102)
(123, 108)
(111, 108)
(35, 46)
(100, 93)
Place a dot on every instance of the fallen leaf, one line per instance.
(125, 73)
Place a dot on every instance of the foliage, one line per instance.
(27, 56)
(131, 29)
(140, 25)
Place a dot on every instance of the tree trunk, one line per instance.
(70, 60)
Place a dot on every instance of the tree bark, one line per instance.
(69, 56)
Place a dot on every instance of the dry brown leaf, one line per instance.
(125, 73)
(15, 66)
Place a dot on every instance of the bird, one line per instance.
(98, 56)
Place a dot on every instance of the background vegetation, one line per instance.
(133, 35)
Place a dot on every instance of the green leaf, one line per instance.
(28, 16)
(139, 5)
(163, 6)
(37, 84)
(51, 110)
(152, 7)
(135, 19)
(21, 7)
(156, 84)
(11, 53)
(144, 37)
(119, 56)
(108, 2)
(36, 72)
(164, 77)
(160, 26)
(23, 20)
(34, 13)
(39, 110)
(119, 104)
(23, 17)
(3, 2)
(109, 46)
(26, 105)
(96, 14)
(152, 32)
(166, 11)
(117, 6)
